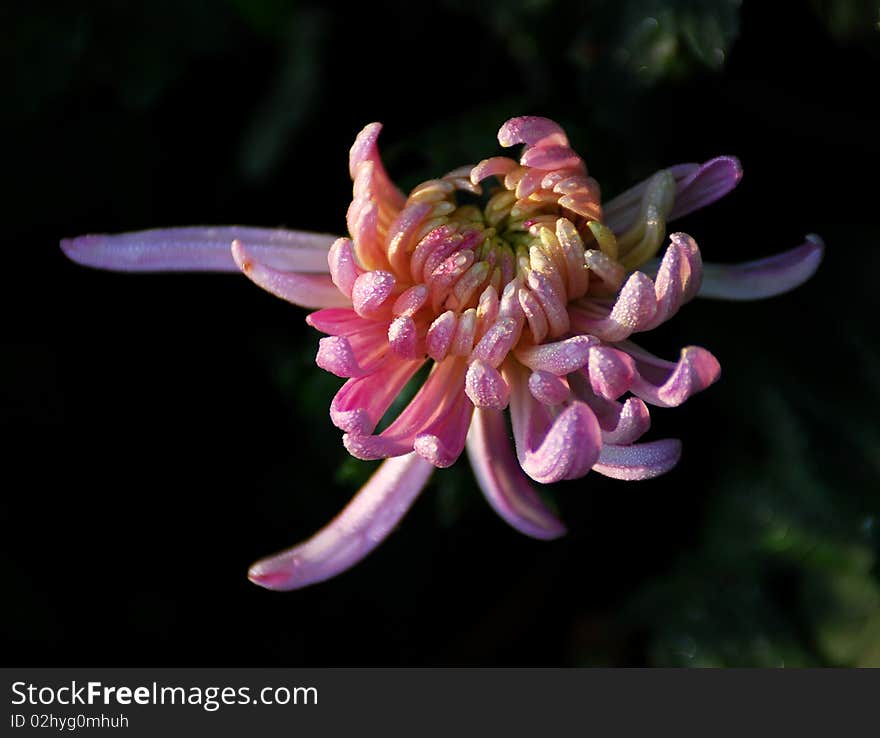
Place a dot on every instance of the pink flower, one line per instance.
(520, 288)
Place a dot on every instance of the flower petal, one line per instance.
(754, 280)
(502, 481)
(361, 402)
(551, 446)
(364, 523)
(696, 185)
(529, 129)
(559, 357)
(485, 386)
(444, 440)
(431, 412)
(366, 149)
(710, 182)
(669, 384)
(639, 461)
(200, 249)
(305, 290)
(633, 310)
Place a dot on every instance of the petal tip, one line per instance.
(263, 574)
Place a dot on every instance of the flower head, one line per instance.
(520, 289)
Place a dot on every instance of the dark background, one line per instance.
(163, 431)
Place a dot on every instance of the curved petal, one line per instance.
(305, 290)
(667, 383)
(364, 523)
(361, 402)
(434, 411)
(503, 482)
(754, 280)
(696, 185)
(529, 130)
(365, 149)
(711, 181)
(200, 249)
(633, 310)
(551, 445)
(639, 461)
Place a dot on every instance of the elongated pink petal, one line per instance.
(305, 290)
(633, 310)
(361, 402)
(551, 446)
(560, 357)
(669, 384)
(366, 149)
(200, 249)
(696, 185)
(549, 157)
(443, 441)
(754, 280)
(355, 355)
(639, 461)
(364, 523)
(429, 412)
(503, 482)
(338, 321)
(497, 166)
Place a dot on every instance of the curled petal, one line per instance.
(550, 446)
(361, 402)
(633, 421)
(403, 337)
(611, 371)
(442, 443)
(560, 357)
(433, 411)
(633, 310)
(502, 481)
(370, 293)
(366, 149)
(711, 181)
(547, 388)
(306, 290)
(668, 384)
(343, 265)
(485, 386)
(529, 129)
(440, 334)
(497, 166)
(200, 249)
(639, 461)
(549, 157)
(337, 355)
(494, 346)
(355, 532)
(621, 423)
(774, 275)
(696, 185)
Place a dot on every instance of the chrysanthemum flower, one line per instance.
(520, 289)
